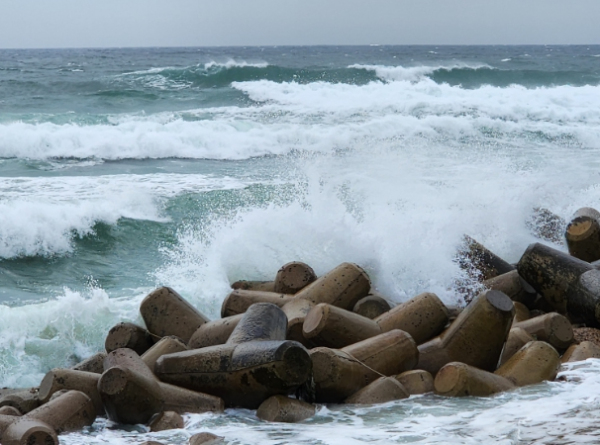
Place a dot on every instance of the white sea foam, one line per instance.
(321, 117)
(38, 337)
(41, 215)
(413, 73)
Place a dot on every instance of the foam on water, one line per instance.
(56, 333)
(321, 117)
(414, 73)
(42, 215)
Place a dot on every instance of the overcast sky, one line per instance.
(110, 23)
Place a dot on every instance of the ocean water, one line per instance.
(125, 169)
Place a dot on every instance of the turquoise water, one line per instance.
(125, 169)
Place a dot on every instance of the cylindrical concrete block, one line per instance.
(533, 363)
(416, 381)
(583, 234)
(337, 375)
(205, 439)
(551, 272)
(382, 390)
(59, 379)
(129, 390)
(238, 301)
(342, 287)
(552, 328)
(72, 411)
(423, 317)
(334, 327)
(475, 338)
(182, 400)
(166, 345)
(583, 298)
(479, 262)
(214, 332)
(389, 353)
(24, 400)
(165, 312)
(128, 335)
(27, 431)
(458, 380)
(296, 311)
(94, 364)
(372, 306)
(10, 411)
(582, 351)
(243, 374)
(293, 277)
(283, 409)
(166, 420)
(514, 286)
(517, 338)
(521, 312)
(261, 322)
(260, 286)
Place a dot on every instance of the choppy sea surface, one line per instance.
(125, 169)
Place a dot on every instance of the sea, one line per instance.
(126, 169)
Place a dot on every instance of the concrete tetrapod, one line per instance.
(71, 411)
(293, 277)
(128, 335)
(166, 345)
(333, 327)
(214, 332)
(583, 298)
(517, 338)
(24, 400)
(94, 364)
(416, 381)
(551, 272)
(457, 379)
(475, 338)
(165, 312)
(382, 390)
(130, 392)
(59, 379)
(552, 328)
(242, 374)
(372, 306)
(583, 234)
(582, 351)
(341, 287)
(182, 400)
(479, 262)
(261, 322)
(10, 411)
(283, 409)
(521, 312)
(423, 317)
(339, 373)
(166, 420)
(514, 286)
(533, 363)
(238, 301)
(27, 431)
(206, 439)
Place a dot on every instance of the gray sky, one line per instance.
(108, 23)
